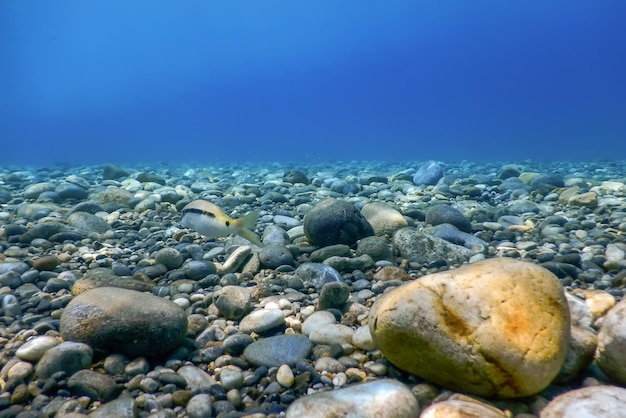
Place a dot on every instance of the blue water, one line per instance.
(308, 80)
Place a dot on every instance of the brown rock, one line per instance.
(46, 263)
(496, 328)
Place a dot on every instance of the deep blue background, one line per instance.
(123, 81)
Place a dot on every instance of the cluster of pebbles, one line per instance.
(110, 307)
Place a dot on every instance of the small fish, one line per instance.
(210, 221)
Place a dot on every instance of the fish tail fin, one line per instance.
(246, 225)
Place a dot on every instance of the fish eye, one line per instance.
(227, 223)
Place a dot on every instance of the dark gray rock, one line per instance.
(196, 270)
(376, 247)
(445, 214)
(334, 221)
(113, 172)
(115, 320)
(274, 255)
(88, 206)
(68, 357)
(71, 191)
(451, 234)
(428, 174)
(333, 295)
(96, 386)
(278, 350)
(169, 257)
(295, 176)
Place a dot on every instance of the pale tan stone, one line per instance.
(385, 219)
(588, 200)
(461, 408)
(599, 302)
(496, 328)
(593, 401)
(612, 343)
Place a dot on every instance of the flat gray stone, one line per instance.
(278, 350)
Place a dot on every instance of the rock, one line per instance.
(611, 342)
(231, 378)
(274, 255)
(123, 407)
(462, 408)
(233, 302)
(376, 247)
(317, 275)
(113, 172)
(68, 357)
(71, 191)
(588, 200)
(285, 377)
(34, 349)
(169, 257)
(385, 219)
(295, 176)
(337, 250)
(333, 295)
(317, 320)
(34, 190)
(115, 320)
(46, 262)
(599, 302)
(262, 321)
(334, 221)
(451, 234)
(349, 264)
(422, 248)
(392, 273)
(198, 270)
(96, 386)
(278, 350)
(496, 328)
(379, 398)
(144, 177)
(200, 406)
(593, 401)
(104, 277)
(87, 222)
(428, 174)
(332, 334)
(445, 214)
(197, 379)
(112, 195)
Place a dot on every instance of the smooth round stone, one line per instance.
(332, 334)
(234, 301)
(231, 378)
(317, 275)
(278, 350)
(123, 407)
(20, 370)
(274, 255)
(88, 223)
(96, 385)
(236, 343)
(592, 401)
(318, 320)
(362, 338)
(419, 247)
(169, 257)
(445, 214)
(11, 306)
(333, 295)
(460, 408)
(379, 398)
(196, 270)
(285, 377)
(496, 328)
(261, 321)
(376, 247)
(46, 263)
(104, 277)
(428, 174)
(611, 343)
(68, 357)
(196, 378)
(329, 364)
(34, 349)
(200, 406)
(115, 320)
(384, 218)
(334, 221)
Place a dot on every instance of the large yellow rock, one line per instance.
(496, 328)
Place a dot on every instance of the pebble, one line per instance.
(65, 230)
(261, 321)
(68, 357)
